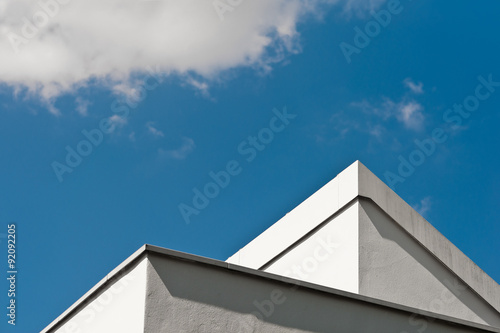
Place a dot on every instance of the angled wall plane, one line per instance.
(353, 257)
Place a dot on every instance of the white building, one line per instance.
(353, 257)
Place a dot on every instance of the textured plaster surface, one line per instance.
(396, 268)
(183, 296)
(402, 259)
(372, 187)
(354, 183)
(179, 292)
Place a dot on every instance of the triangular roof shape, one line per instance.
(353, 257)
(356, 234)
(158, 290)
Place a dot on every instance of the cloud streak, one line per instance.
(424, 206)
(180, 153)
(416, 88)
(153, 130)
(407, 110)
(410, 114)
(82, 106)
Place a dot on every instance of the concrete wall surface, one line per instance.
(395, 267)
(370, 186)
(184, 296)
(385, 262)
(158, 290)
(289, 240)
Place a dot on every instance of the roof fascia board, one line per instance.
(147, 249)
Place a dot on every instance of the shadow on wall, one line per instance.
(397, 268)
(185, 296)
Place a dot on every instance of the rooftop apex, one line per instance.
(357, 210)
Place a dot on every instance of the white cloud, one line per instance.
(117, 121)
(128, 89)
(180, 153)
(199, 85)
(416, 88)
(71, 43)
(410, 114)
(384, 110)
(376, 131)
(153, 130)
(82, 106)
(407, 110)
(424, 206)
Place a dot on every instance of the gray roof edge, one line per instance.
(371, 187)
(316, 287)
(123, 268)
(142, 253)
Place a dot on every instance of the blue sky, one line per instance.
(202, 95)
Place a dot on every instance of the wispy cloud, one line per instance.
(180, 153)
(82, 106)
(343, 123)
(384, 110)
(416, 88)
(378, 118)
(128, 89)
(199, 85)
(117, 121)
(153, 130)
(424, 206)
(376, 131)
(407, 110)
(410, 114)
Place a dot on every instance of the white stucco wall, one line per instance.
(291, 242)
(354, 234)
(328, 257)
(302, 219)
(163, 291)
(120, 308)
